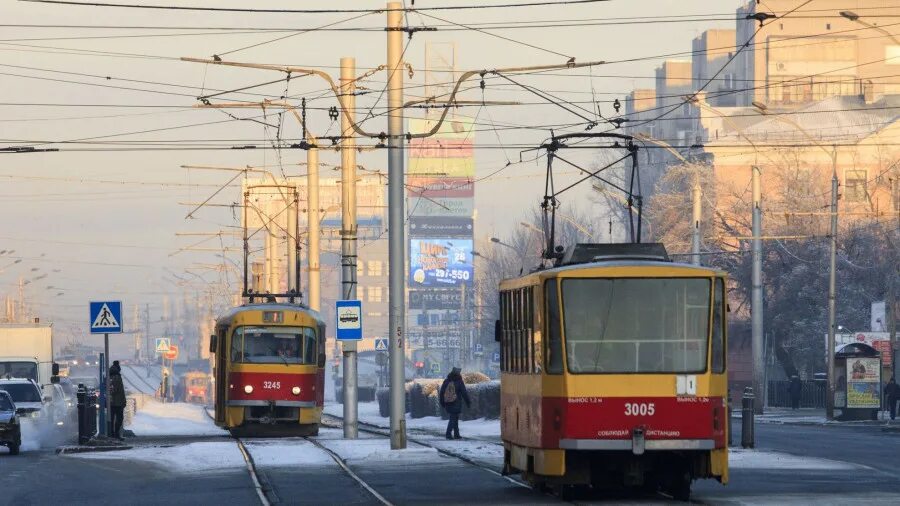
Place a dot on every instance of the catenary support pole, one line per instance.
(756, 300)
(348, 237)
(697, 216)
(829, 348)
(292, 239)
(396, 235)
(312, 220)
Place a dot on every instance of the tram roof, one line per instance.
(267, 306)
(563, 269)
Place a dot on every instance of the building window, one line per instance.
(374, 293)
(374, 267)
(729, 82)
(855, 185)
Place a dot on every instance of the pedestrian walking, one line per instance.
(116, 400)
(795, 389)
(452, 394)
(892, 395)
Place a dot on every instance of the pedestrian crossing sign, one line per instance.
(381, 344)
(106, 317)
(163, 344)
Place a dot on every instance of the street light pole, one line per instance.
(756, 299)
(312, 223)
(396, 236)
(697, 215)
(829, 399)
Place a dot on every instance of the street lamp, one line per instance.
(852, 16)
(832, 287)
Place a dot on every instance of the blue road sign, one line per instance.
(381, 344)
(349, 320)
(106, 317)
(479, 349)
(495, 357)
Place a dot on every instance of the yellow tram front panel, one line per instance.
(270, 366)
(624, 356)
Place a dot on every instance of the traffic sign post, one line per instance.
(349, 320)
(105, 318)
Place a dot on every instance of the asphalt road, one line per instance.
(862, 466)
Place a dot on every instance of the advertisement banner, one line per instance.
(438, 188)
(455, 127)
(463, 207)
(440, 148)
(440, 226)
(435, 299)
(440, 262)
(863, 383)
(441, 167)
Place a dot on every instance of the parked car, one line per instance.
(10, 431)
(26, 395)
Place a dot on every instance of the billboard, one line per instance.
(440, 187)
(435, 299)
(456, 128)
(440, 226)
(459, 207)
(441, 167)
(863, 383)
(440, 262)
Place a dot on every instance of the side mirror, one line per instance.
(212, 343)
(322, 360)
(48, 398)
(55, 369)
(727, 307)
(498, 331)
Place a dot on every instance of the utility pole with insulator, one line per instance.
(696, 195)
(829, 349)
(348, 236)
(756, 297)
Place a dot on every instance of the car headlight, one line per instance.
(248, 389)
(295, 390)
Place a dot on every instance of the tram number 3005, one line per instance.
(639, 409)
(271, 385)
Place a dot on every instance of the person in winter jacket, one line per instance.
(795, 389)
(892, 395)
(452, 394)
(116, 400)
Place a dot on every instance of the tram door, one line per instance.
(221, 372)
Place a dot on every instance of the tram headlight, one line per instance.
(248, 389)
(295, 390)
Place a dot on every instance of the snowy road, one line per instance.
(182, 458)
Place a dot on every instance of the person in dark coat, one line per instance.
(116, 400)
(892, 395)
(795, 389)
(452, 394)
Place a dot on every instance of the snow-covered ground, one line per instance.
(173, 419)
(185, 458)
(759, 459)
(286, 453)
(368, 413)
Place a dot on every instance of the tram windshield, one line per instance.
(636, 325)
(273, 345)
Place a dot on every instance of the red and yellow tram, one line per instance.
(614, 373)
(269, 369)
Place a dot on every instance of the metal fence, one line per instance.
(812, 394)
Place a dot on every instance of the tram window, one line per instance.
(553, 354)
(504, 331)
(517, 329)
(273, 345)
(636, 325)
(718, 330)
(529, 329)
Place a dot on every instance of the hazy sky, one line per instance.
(117, 240)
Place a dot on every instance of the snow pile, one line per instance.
(173, 419)
(756, 459)
(286, 453)
(189, 458)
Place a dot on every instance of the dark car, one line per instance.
(10, 430)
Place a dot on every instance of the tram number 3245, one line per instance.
(271, 385)
(639, 409)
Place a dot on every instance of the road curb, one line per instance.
(88, 449)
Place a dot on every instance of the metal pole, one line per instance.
(829, 349)
(270, 253)
(756, 308)
(292, 241)
(348, 236)
(396, 235)
(106, 427)
(312, 213)
(695, 242)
